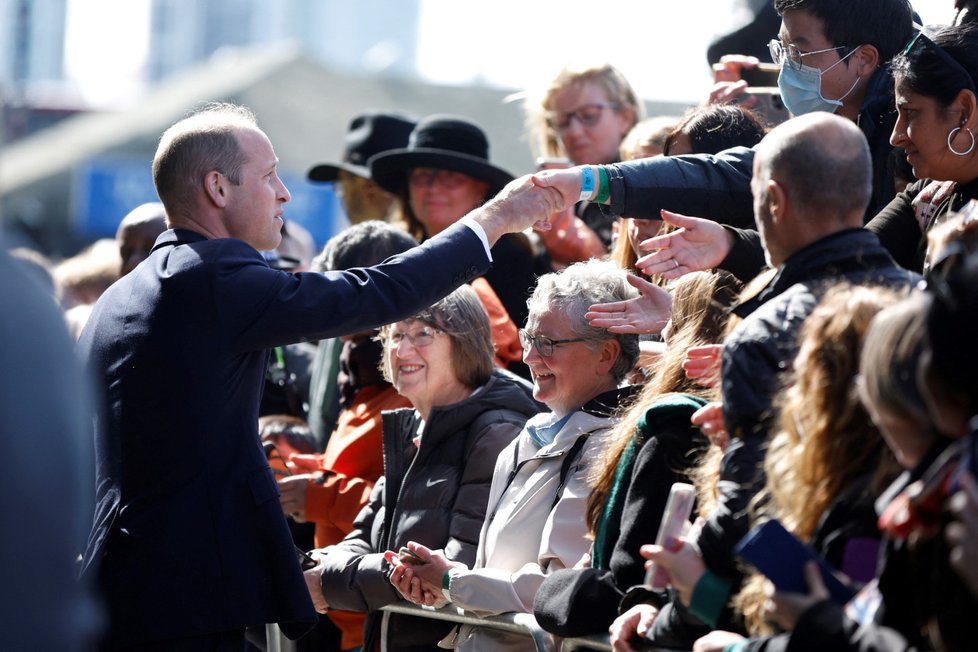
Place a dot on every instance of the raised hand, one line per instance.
(702, 364)
(709, 419)
(696, 245)
(649, 312)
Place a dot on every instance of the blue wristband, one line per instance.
(587, 183)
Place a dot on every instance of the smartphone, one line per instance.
(781, 557)
(553, 163)
(678, 508)
(408, 556)
(769, 104)
(306, 561)
(763, 75)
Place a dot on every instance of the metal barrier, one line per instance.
(519, 623)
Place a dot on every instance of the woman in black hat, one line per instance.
(441, 175)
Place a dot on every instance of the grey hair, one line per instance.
(574, 290)
(461, 316)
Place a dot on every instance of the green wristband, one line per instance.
(446, 580)
(604, 186)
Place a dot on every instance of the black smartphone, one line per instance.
(781, 557)
(306, 561)
(763, 75)
(408, 556)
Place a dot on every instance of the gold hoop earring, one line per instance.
(950, 137)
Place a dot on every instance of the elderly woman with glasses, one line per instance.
(536, 508)
(438, 463)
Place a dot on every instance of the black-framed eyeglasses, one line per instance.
(543, 345)
(942, 54)
(419, 339)
(781, 53)
(588, 115)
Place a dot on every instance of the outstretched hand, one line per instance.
(649, 312)
(702, 364)
(696, 245)
(709, 419)
(523, 203)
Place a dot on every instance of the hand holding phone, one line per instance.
(306, 561)
(781, 557)
(676, 515)
(408, 556)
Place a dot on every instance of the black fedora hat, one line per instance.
(370, 133)
(444, 142)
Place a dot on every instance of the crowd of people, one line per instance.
(479, 396)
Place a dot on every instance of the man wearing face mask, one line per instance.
(833, 56)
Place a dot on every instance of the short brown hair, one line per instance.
(205, 141)
(461, 316)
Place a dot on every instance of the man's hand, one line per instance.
(696, 245)
(293, 495)
(647, 313)
(709, 419)
(785, 609)
(527, 201)
(314, 583)
(635, 622)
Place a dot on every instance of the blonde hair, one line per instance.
(544, 140)
(648, 135)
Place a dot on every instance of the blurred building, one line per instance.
(368, 36)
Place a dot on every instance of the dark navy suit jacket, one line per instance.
(188, 536)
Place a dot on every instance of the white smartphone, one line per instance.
(678, 508)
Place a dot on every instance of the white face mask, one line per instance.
(801, 88)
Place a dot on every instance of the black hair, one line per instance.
(362, 245)
(924, 71)
(885, 24)
(716, 127)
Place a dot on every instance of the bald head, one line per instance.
(822, 162)
(137, 233)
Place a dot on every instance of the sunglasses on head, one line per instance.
(941, 54)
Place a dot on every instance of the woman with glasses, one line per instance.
(443, 174)
(536, 505)
(583, 114)
(438, 463)
(937, 121)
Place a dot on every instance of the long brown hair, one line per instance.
(700, 303)
(825, 438)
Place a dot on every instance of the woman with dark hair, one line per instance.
(713, 128)
(937, 122)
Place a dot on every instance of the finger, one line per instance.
(422, 551)
(816, 586)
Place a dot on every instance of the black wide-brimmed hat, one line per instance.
(443, 142)
(370, 133)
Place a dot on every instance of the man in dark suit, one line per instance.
(189, 544)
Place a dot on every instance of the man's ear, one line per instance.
(866, 58)
(776, 200)
(215, 187)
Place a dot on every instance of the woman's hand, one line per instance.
(709, 419)
(784, 609)
(702, 364)
(682, 561)
(649, 312)
(314, 583)
(634, 623)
